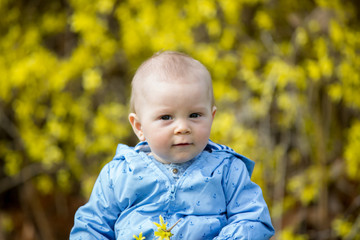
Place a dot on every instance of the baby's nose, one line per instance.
(182, 128)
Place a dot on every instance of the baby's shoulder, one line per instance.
(125, 161)
(124, 152)
(230, 157)
(124, 156)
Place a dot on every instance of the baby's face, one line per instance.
(175, 119)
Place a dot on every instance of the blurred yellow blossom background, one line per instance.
(286, 78)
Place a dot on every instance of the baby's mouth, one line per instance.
(182, 144)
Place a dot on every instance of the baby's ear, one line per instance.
(213, 112)
(136, 125)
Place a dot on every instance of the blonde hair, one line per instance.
(169, 66)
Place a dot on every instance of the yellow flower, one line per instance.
(162, 225)
(162, 232)
(163, 235)
(140, 237)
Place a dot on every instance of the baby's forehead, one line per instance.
(173, 68)
(172, 82)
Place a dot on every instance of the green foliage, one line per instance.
(352, 151)
(288, 234)
(286, 81)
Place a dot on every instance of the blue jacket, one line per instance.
(215, 199)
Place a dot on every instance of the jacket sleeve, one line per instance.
(247, 212)
(96, 219)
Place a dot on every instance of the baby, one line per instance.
(175, 171)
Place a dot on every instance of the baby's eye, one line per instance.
(195, 115)
(166, 117)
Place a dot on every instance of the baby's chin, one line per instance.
(176, 155)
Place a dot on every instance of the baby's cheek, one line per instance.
(159, 143)
(203, 134)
